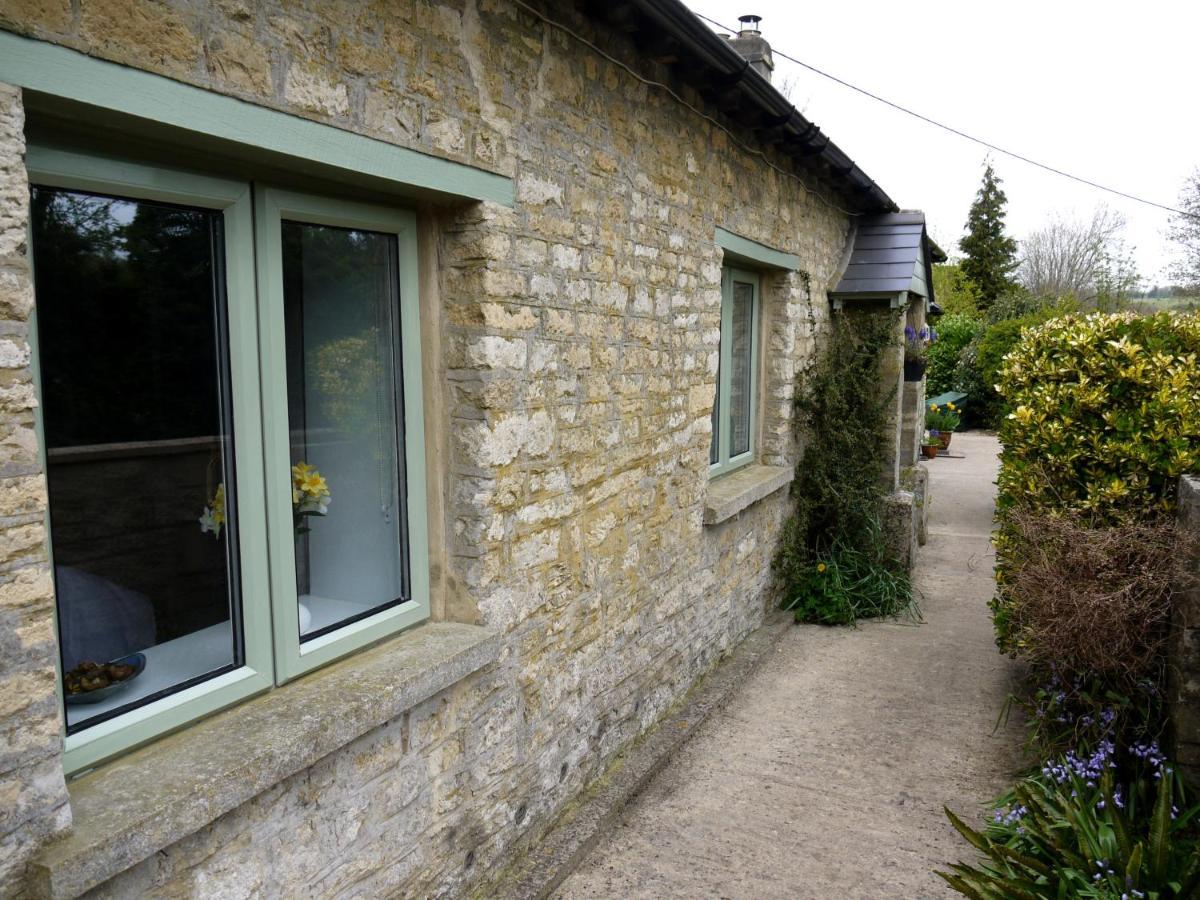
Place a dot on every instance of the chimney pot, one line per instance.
(750, 43)
(749, 24)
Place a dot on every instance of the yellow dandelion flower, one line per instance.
(821, 567)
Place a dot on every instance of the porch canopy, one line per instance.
(891, 258)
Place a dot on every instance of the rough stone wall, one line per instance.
(33, 795)
(1183, 687)
(580, 337)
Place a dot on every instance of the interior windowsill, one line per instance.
(147, 800)
(729, 494)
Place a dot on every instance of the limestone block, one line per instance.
(900, 527)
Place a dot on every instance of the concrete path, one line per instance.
(825, 775)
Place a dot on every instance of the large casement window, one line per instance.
(733, 416)
(230, 414)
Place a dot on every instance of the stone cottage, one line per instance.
(395, 419)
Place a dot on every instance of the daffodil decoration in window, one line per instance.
(310, 497)
(213, 517)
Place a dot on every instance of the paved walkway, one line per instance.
(825, 775)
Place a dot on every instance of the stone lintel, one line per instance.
(730, 494)
(143, 802)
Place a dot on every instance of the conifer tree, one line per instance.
(990, 254)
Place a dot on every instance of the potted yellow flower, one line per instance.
(941, 421)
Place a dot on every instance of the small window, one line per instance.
(734, 415)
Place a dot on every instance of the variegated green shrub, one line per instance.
(1106, 414)
(1105, 418)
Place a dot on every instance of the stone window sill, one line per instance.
(729, 494)
(129, 809)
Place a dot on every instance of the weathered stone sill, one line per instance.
(732, 493)
(141, 803)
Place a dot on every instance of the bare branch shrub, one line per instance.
(1095, 601)
(1078, 258)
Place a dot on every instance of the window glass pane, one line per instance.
(741, 368)
(341, 301)
(135, 413)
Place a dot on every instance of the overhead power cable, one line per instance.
(955, 131)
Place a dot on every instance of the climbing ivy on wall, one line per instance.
(833, 565)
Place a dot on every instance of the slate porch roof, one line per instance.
(892, 253)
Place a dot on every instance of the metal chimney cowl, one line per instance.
(753, 47)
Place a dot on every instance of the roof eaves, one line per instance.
(723, 65)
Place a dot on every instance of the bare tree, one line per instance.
(1085, 259)
(1184, 231)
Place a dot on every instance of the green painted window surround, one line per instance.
(253, 267)
(738, 249)
(727, 461)
(198, 114)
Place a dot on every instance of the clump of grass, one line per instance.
(846, 585)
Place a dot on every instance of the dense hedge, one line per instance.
(1105, 414)
(1105, 418)
(979, 364)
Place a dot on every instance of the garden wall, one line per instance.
(573, 380)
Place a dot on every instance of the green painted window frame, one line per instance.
(89, 172)
(257, 351)
(272, 206)
(726, 463)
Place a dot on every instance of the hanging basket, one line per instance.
(914, 369)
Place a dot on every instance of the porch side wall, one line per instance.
(578, 362)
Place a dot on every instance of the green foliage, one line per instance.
(1074, 832)
(978, 368)
(954, 332)
(842, 418)
(1082, 711)
(1106, 415)
(845, 585)
(991, 255)
(955, 294)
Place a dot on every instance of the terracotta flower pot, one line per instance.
(944, 439)
(929, 451)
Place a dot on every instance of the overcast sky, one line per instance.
(1109, 91)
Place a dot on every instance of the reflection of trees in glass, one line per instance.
(126, 313)
(339, 293)
(349, 373)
